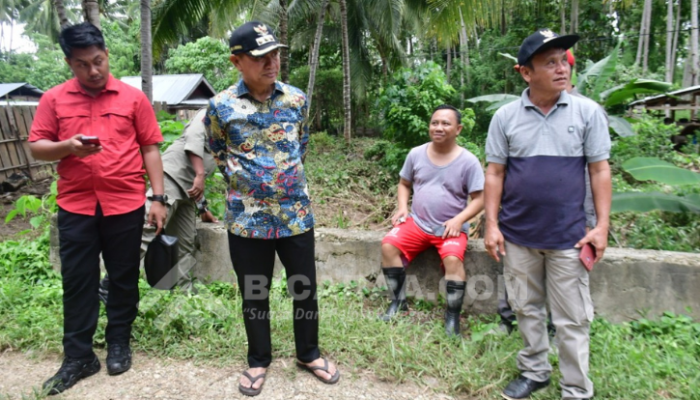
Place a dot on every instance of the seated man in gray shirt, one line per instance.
(443, 177)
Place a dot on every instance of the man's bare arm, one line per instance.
(601, 186)
(404, 193)
(493, 190)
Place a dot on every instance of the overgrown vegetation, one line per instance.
(644, 359)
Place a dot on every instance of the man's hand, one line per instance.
(207, 216)
(494, 242)
(156, 215)
(80, 150)
(399, 217)
(453, 228)
(197, 190)
(598, 237)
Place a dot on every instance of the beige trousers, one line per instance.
(532, 276)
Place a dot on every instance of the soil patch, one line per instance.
(18, 224)
(161, 378)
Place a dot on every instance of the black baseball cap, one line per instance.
(253, 38)
(541, 40)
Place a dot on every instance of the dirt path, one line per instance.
(167, 379)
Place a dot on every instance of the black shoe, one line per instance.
(522, 387)
(396, 307)
(72, 370)
(103, 290)
(118, 358)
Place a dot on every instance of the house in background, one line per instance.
(19, 92)
(180, 92)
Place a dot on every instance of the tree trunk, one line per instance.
(91, 12)
(642, 34)
(503, 17)
(669, 41)
(574, 16)
(61, 12)
(146, 50)
(347, 103)
(464, 57)
(645, 57)
(694, 42)
(562, 14)
(448, 71)
(284, 52)
(675, 39)
(313, 64)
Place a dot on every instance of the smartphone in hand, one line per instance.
(587, 256)
(90, 140)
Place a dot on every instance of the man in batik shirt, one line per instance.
(258, 134)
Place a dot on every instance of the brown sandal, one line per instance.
(249, 391)
(333, 379)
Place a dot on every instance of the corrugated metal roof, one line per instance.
(676, 93)
(6, 88)
(172, 89)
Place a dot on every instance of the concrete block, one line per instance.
(625, 285)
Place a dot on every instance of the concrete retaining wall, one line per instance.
(625, 284)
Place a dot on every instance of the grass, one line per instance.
(348, 191)
(642, 360)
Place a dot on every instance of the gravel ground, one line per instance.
(168, 379)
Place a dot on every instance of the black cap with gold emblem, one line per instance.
(254, 38)
(541, 40)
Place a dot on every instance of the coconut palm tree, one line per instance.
(347, 102)
(91, 12)
(146, 50)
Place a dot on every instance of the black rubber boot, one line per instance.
(396, 281)
(455, 298)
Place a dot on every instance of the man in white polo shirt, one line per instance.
(537, 149)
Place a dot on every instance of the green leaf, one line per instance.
(653, 169)
(11, 215)
(499, 104)
(623, 93)
(643, 202)
(621, 126)
(36, 221)
(602, 70)
(491, 98)
(506, 55)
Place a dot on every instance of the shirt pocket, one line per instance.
(118, 123)
(72, 120)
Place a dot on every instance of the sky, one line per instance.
(14, 35)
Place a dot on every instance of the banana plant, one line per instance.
(592, 83)
(653, 169)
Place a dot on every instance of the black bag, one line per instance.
(161, 258)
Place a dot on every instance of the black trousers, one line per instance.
(82, 239)
(253, 261)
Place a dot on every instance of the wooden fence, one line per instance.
(15, 157)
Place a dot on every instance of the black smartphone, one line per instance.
(90, 140)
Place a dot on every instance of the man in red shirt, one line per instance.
(101, 196)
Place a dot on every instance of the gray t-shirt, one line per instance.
(440, 193)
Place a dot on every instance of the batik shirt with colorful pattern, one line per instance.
(259, 149)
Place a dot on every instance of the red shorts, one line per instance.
(411, 241)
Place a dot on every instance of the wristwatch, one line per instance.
(161, 198)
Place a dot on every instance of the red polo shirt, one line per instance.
(122, 117)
